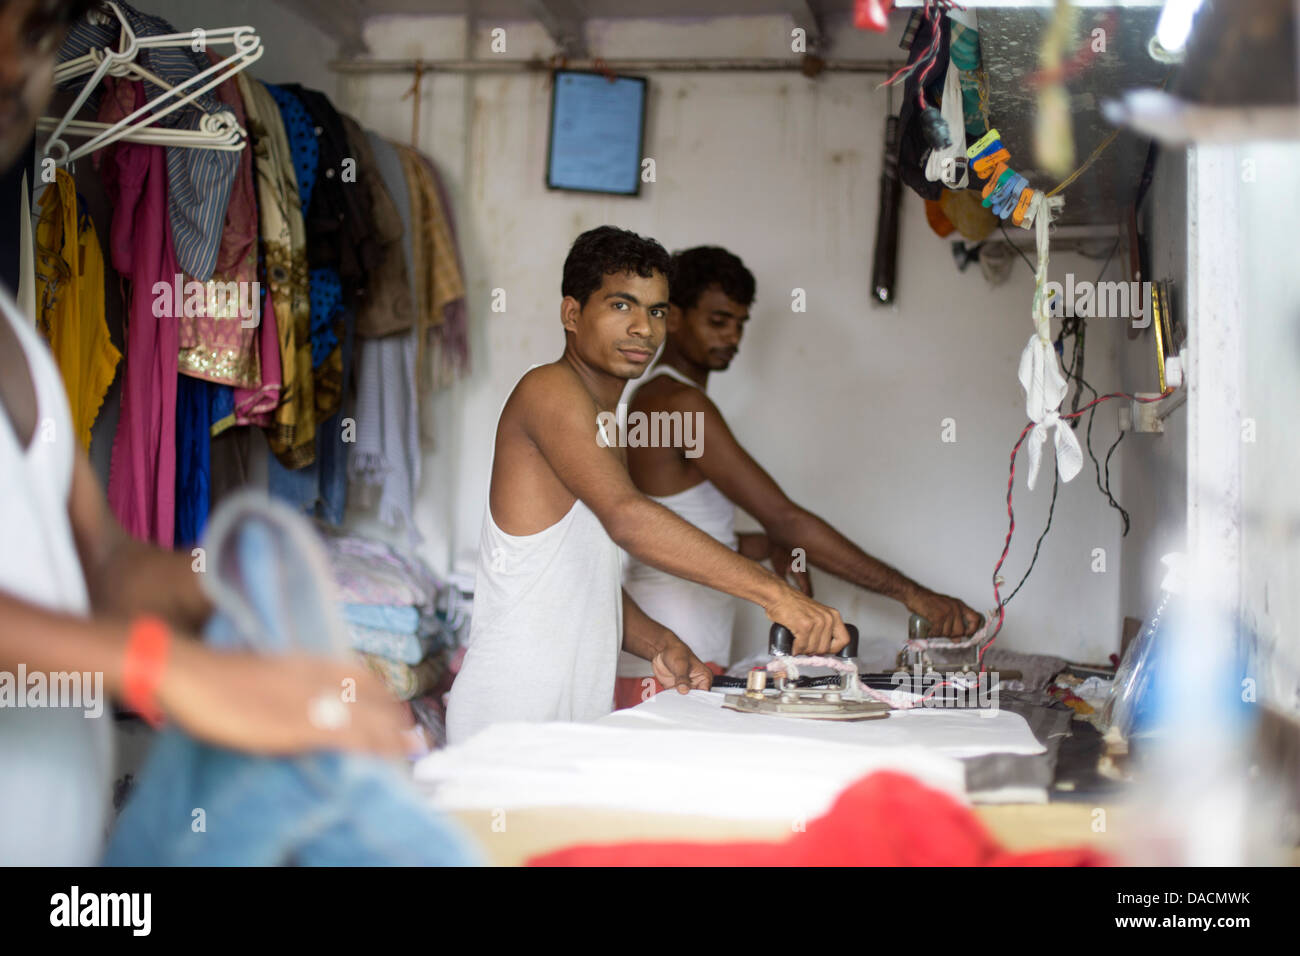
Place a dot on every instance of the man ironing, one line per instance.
(710, 298)
(550, 614)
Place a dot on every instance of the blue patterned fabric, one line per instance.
(193, 458)
(326, 289)
(326, 304)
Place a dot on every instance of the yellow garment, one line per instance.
(70, 302)
(438, 281)
(292, 435)
(433, 254)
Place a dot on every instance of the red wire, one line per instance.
(1011, 517)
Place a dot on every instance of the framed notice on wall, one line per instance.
(597, 130)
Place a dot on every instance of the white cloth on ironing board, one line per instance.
(952, 732)
(679, 771)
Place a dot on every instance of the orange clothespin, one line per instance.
(991, 161)
(1022, 204)
(992, 184)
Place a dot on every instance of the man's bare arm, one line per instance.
(126, 577)
(742, 479)
(674, 664)
(559, 417)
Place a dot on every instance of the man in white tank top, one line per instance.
(550, 614)
(710, 299)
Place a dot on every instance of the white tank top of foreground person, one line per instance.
(55, 761)
(546, 628)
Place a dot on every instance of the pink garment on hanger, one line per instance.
(219, 346)
(253, 406)
(142, 476)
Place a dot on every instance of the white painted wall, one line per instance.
(843, 404)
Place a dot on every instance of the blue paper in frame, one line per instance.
(597, 129)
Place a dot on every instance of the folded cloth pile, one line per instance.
(390, 603)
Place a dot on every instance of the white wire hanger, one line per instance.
(218, 130)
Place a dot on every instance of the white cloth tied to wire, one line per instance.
(1040, 370)
(944, 164)
(1045, 388)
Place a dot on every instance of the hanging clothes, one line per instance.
(284, 249)
(437, 276)
(386, 305)
(325, 287)
(433, 253)
(384, 466)
(70, 298)
(389, 305)
(451, 362)
(340, 227)
(222, 344)
(142, 475)
(198, 180)
(193, 457)
(436, 268)
(256, 406)
(320, 489)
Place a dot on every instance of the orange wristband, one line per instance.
(147, 643)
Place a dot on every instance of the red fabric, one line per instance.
(871, 14)
(885, 819)
(630, 691)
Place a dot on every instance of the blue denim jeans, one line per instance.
(197, 805)
(200, 805)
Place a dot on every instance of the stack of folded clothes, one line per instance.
(394, 608)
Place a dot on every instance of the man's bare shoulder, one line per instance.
(545, 391)
(664, 393)
(547, 386)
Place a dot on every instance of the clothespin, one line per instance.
(993, 179)
(1022, 206)
(986, 163)
(994, 196)
(1010, 195)
(982, 144)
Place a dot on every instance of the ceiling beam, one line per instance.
(563, 22)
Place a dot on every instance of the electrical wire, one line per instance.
(1076, 326)
(1007, 236)
(1051, 509)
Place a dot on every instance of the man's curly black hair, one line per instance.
(607, 249)
(694, 270)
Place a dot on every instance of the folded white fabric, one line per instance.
(749, 776)
(951, 732)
